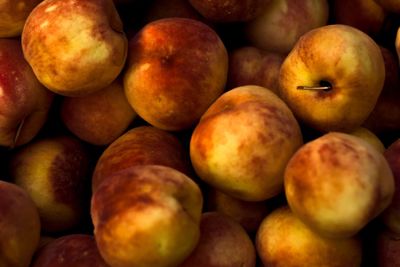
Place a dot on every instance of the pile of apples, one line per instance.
(185, 133)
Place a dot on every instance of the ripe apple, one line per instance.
(243, 141)
(331, 171)
(333, 77)
(249, 65)
(53, 171)
(24, 102)
(229, 11)
(20, 226)
(75, 46)
(282, 22)
(283, 240)
(13, 16)
(391, 216)
(370, 16)
(141, 145)
(392, 6)
(77, 250)
(100, 117)
(177, 67)
(223, 243)
(147, 215)
(248, 214)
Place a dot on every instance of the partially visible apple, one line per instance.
(333, 77)
(75, 47)
(248, 214)
(161, 9)
(229, 10)
(249, 65)
(223, 243)
(177, 67)
(369, 137)
(20, 226)
(54, 172)
(397, 43)
(243, 142)
(370, 16)
(69, 250)
(282, 22)
(392, 6)
(141, 145)
(337, 184)
(387, 249)
(148, 215)
(24, 102)
(100, 117)
(13, 16)
(283, 240)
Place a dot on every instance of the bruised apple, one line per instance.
(140, 146)
(75, 46)
(13, 16)
(333, 77)
(24, 101)
(176, 68)
(243, 141)
(20, 226)
(223, 243)
(283, 240)
(331, 171)
(100, 117)
(147, 215)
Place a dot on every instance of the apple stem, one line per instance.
(17, 134)
(314, 88)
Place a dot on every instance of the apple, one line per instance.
(176, 68)
(229, 11)
(370, 16)
(141, 145)
(100, 117)
(387, 249)
(397, 43)
(392, 6)
(223, 243)
(20, 226)
(54, 171)
(24, 102)
(77, 250)
(391, 216)
(147, 215)
(370, 137)
(243, 142)
(282, 22)
(331, 171)
(332, 78)
(283, 240)
(249, 65)
(13, 16)
(75, 47)
(248, 214)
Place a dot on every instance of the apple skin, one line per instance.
(397, 43)
(251, 65)
(223, 243)
(248, 214)
(243, 141)
(141, 145)
(283, 240)
(229, 11)
(13, 16)
(179, 53)
(370, 137)
(392, 6)
(57, 37)
(77, 250)
(370, 17)
(20, 226)
(343, 57)
(282, 22)
(391, 216)
(147, 215)
(331, 171)
(24, 102)
(387, 249)
(100, 117)
(54, 172)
